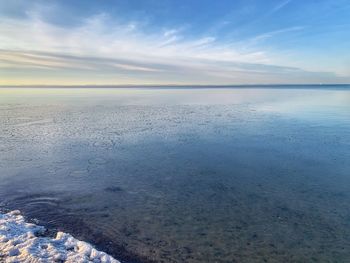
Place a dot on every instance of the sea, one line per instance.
(183, 174)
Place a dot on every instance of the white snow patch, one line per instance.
(21, 242)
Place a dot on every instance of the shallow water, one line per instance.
(184, 175)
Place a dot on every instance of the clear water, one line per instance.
(184, 175)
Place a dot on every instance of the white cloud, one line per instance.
(98, 37)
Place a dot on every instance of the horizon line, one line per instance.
(166, 85)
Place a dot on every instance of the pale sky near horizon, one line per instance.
(174, 42)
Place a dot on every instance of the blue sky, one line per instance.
(174, 42)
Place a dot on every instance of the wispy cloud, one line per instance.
(270, 34)
(280, 6)
(97, 37)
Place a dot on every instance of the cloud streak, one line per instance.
(274, 33)
(280, 6)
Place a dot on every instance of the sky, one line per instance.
(181, 42)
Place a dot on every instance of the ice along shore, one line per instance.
(21, 241)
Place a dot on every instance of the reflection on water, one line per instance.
(198, 175)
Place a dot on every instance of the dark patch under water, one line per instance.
(197, 179)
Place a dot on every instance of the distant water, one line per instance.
(184, 175)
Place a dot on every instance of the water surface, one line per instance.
(184, 175)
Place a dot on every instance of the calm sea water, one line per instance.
(184, 175)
